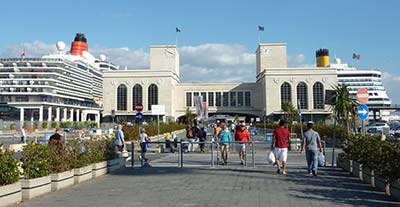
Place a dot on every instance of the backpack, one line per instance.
(190, 133)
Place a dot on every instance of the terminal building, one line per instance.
(275, 84)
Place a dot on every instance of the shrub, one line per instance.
(80, 156)
(76, 125)
(13, 126)
(9, 172)
(53, 125)
(132, 133)
(60, 158)
(97, 150)
(110, 152)
(35, 125)
(36, 161)
(44, 125)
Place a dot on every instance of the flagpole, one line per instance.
(176, 39)
(259, 37)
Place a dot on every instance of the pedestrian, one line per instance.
(224, 139)
(168, 141)
(202, 138)
(22, 134)
(310, 144)
(279, 146)
(193, 135)
(120, 144)
(57, 138)
(175, 145)
(217, 129)
(143, 139)
(242, 136)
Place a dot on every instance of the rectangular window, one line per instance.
(225, 99)
(218, 99)
(204, 94)
(247, 98)
(233, 98)
(210, 98)
(22, 99)
(188, 99)
(240, 98)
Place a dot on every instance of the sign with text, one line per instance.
(139, 107)
(157, 109)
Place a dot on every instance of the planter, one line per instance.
(382, 185)
(35, 187)
(99, 169)
(395, 190)
(62, 180)
(356, 169)
(10, 194)
(82, 174)
(113, 165)
(344, 164)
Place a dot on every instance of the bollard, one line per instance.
(35, 139)
(253, 159)
(181, 155)
(133, 153)
(212, 154)
(245, 155)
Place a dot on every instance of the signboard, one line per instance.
(139, 117)
(268, 137)
(139, 107)
(201, 108)
(363, 112)
(157, 109)
(362, 95)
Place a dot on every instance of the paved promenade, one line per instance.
(222, 186)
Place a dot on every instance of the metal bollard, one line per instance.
(133, 153)
(253, 159)
(181, 155)
(212, 154)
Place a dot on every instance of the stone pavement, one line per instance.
(232, 185)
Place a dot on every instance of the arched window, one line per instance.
(286, 93)
(137, 94)
(121, 98)
(302, 95)
(318, 95)
(152, 95)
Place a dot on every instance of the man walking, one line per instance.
(310, 145)
(279, 146)
(242, 136)
(120, 139)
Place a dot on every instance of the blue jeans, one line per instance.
(312, 160)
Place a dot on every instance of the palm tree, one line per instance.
(344, 109)
(189, 116)
(290, 111)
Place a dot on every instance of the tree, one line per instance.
(345, 108)
(189, 116)
(290, 111)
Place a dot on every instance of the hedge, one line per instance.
(132, 132)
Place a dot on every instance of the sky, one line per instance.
(217, 37)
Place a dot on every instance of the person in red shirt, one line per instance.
(280, 136)
(242, 136)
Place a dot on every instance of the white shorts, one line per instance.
(281, 154)
(241, 147)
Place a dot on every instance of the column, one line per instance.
(97, 118)
(40, 113)
(49, 113)
(83, 118)
(21, 116)
(71, 118)
(57, 114)
(65, 115)
(77, 115)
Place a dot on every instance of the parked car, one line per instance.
(374, 130)
(378, 125)
(395, 131)
(68, 129)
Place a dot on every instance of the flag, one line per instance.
(23, 54)
(177, 29)
(356, 56)
(260, 28)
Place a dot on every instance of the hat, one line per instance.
(58, 129)
(242, 124)
(310, 122)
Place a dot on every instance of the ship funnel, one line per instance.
(322, 57)
(79, 44)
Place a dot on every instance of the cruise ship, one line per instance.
(67, 86)
(369, 79)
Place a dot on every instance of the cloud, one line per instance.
(34, 49)
(391, 83)
(133, 59)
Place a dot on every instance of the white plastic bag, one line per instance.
(321, 159)
(271, 158)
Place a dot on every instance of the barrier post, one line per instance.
(252, 154)
(181, 155)
(133, 153)
(212, 154)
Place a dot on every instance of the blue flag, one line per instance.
(260, 28)
(177, 29)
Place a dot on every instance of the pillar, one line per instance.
(40, 113)
(97, 118)
(49, 113)
(71, 118)
(57, 114)
(83, 118)
(65, 115)
(77, 115)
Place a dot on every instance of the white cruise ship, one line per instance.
(67, 86)
(369, 79)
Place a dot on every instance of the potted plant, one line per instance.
(36, 167)
(44, 125)
(80, 160)
(10, 187)
(97, 152)
(53, 125)
(62, 174)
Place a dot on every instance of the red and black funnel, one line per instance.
(79, 44)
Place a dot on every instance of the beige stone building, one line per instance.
(161, 85)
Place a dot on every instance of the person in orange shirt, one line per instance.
(217, 129)
(242, 136)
